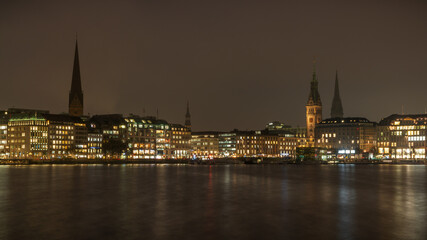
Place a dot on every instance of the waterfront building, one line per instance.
(94, 144)
(36, 135)
(205, 145)
(245, 144)
(75, 100)
(27, 136)
(163, 149)
(276, 140)
(67, 136)
(402, 137)
(300, 134)
(256, 144)
(235, 144)
(313, 110)
(18, 139)
(288, 136)
(288, 144)
(60, 136)
(134, 137)
(180, 141)
(80, 138)
(4, 150)
(227, 143)
(140, 137)
(347, 138)
(113, 130)
(337, 109)
(248, 145)
(266, 144)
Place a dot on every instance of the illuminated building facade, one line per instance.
(27, 136)
(94, 145)
(113, 130)
(148, 138)
(266, 144)
(276, 140)
(257, 145)
(348, 138)
(288, 145)
(80, 138)
(227, 143)
(313, 110)
(248, 144)
(289, 139)
(134, 137)
(4, 150)
(141, 137)
(38, 136)
(205, 145)
(67, 136)
(402, 137)
(180, 141)
(163, 148)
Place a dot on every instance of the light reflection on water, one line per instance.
(213, 202)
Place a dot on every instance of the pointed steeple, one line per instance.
(76, 84)
(337, 110)
(75, 101)
(188, 117)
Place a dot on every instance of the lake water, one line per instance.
(213, 202)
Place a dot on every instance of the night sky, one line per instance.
(241, 64)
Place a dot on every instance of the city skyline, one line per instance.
(234, 81)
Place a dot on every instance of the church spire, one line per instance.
(75, 101)
(337, 110)
(76, 84)
(188, 117)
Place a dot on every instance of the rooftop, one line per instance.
(347, 120)
(418, 118)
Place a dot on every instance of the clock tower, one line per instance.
(313, 110)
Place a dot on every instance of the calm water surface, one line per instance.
(213, 202)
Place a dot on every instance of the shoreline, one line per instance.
(219, 161)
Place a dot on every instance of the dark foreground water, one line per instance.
(213, 202)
